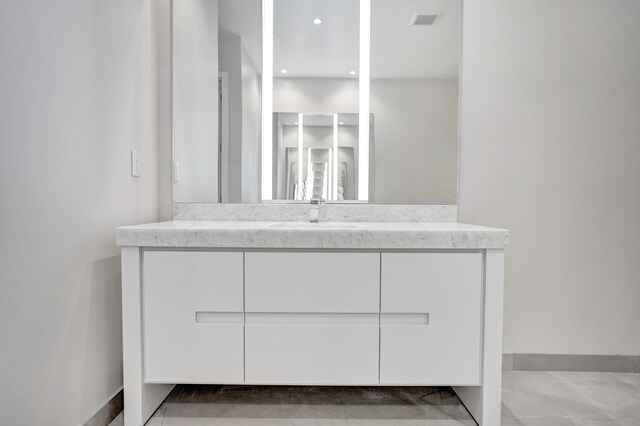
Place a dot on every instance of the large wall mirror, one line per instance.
(288, 100)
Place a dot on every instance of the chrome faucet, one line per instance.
(314, 210)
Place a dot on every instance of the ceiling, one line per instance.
(309, 50)
(244, 18)
(330, 49)
(402, 51)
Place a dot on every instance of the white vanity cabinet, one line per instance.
(222, 310)
(312, 318)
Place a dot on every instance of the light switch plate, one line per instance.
(176, 172)
(135, 163)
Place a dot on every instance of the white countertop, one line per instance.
(305, 235)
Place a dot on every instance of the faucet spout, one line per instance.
(314, 210)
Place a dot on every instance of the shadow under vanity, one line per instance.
(350, 101)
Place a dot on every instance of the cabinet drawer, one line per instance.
(193, 317)
(430, 324)
(312, 351)
(312, 282)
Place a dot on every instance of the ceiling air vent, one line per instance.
(424, 18)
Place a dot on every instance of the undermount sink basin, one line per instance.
(309, 225)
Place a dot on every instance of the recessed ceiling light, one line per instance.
(283, 71)
(352, 72)
(296, 123)
(341, 123)
(317, 21)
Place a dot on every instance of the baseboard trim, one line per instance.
(108, 412)
(562, 362)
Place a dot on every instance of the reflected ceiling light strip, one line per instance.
(310, 178)
(334, 181)
(267, 99)
(328, 186)
(363, 105)
(300, 156)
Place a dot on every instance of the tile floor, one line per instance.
(529, 398)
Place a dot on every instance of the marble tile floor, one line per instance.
(529, 399)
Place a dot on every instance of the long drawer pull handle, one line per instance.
(280, 318)
(404, 319)
(206, 317)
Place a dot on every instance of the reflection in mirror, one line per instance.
(315, 39)
(195, 94)
(217, 61)
(407, 78)
(316, 156)
(316, 80)
(415, 49)
(395, 60)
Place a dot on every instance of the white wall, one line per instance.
(229, 55)
(162, 46)
(244, 120)
(415, 131)
(416, 140)
(315, 95)
(550, 148)
(195, 99)
(251, 129)
(76, 94)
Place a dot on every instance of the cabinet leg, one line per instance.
(140, 399)
(140, 402)
(485, 402)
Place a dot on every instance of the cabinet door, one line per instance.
(312, 282)
(193, 317)
(430, 322)
(307, 349)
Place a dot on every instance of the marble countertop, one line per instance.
(305, 235)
